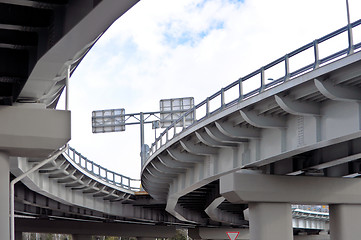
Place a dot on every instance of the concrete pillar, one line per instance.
(4, 196)
(270, 221)
(345, 222)
(81, 237)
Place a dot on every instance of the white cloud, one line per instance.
(134, 66)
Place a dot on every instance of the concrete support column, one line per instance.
(4, 196)
(81, 237)
(345, 221)
(270, 221)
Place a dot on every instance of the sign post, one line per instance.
(115, 120)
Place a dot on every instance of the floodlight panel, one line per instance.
(174, 108)
(111, 120)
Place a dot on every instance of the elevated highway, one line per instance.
(251, 153)
(293, 139)
(74, 192)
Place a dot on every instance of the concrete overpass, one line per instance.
(291, 140)
(197, 177)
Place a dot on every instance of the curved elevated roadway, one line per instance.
(292, 139)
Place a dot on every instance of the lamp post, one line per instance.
(115, 120)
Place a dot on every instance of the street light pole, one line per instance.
(142, 150)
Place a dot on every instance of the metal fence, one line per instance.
(102, 172)
(234, 93)
(312, 208)
(311, 212)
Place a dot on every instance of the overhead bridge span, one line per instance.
(252, 161)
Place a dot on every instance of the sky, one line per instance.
(163, 49)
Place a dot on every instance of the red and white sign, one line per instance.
(232, 235)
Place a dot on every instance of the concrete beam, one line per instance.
(336, 92)
(217, 135)
(198, 149)
(218, 215)
(207, 140)
(262, 121)
(93, 228)
(236, 188)
(33, 132)
(158, 164)
(184, 156)
(228, 129)
(296, 107)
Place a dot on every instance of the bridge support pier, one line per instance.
(345, 221)
(270, 196)
(270, 221)
(4, 196)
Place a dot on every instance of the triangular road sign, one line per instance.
(232, 235)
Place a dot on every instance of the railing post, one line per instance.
(262, 80)
(128, 185)
(287, 68)
(240, 88)
(184, 121)
(349, 27)
(317, 58)
(207, 107)
(222, 98)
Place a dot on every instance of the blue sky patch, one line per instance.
(187, 36)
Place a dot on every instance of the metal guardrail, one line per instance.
(236, 88)
(102, 172)
(312, 208)
(311, 212)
